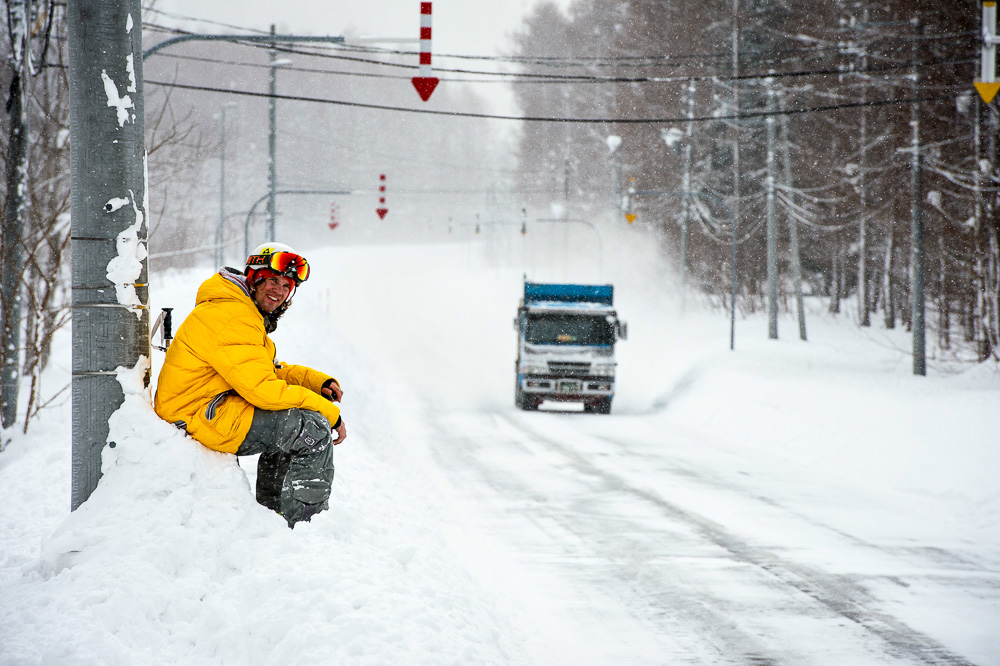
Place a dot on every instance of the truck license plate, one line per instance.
(569, 387)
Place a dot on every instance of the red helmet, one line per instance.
(276, 259)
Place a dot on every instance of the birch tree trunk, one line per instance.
(12, 259)
(889, 305)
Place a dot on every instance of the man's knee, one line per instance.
(305, 432)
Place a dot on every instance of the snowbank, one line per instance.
(171, 560)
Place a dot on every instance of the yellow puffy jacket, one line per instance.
(221, 366)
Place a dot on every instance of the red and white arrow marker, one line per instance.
(381, 210)
(334, 210)
(425, 83)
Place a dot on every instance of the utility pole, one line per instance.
(109, 220)
(219, 260)
(917, 254)
(863, 300)
(619, 176)
(793, 227)
(736, 169)
(772, 221)
(272, 140)
(686, 220)
(566, 183)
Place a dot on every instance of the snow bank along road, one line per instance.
(651, 544)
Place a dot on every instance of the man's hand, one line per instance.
(341, 431)
(333, 392)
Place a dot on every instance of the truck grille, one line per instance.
(569, 368)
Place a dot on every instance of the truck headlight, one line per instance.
(603, 369)
(534, 369)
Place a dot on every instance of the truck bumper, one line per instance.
(568, 389)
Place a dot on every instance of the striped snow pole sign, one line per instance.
(381, 210)
(334, 215)
(425, 82)
(987, 85)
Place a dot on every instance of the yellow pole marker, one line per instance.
(988, 84)
(630, 217)
(987, 90)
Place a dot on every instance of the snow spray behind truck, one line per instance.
(566, 336)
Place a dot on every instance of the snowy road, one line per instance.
(661, 547)
(789, 504)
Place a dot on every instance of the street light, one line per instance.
(615, 146)
(219, 261)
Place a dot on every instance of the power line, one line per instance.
(624, 121)
(530, 75)
(646, 60)
(518, 78)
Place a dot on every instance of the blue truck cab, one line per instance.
(566, 336)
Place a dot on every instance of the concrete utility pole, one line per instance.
(219, 232)
(917, 213)
(735, 216)
(793, 232)
(272, 140)
(772, 221)
(686, 222)
(109, 220)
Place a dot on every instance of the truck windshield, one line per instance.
(568, 329)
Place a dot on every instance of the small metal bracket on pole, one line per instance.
(988, 84)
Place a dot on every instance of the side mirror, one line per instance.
(622, 330)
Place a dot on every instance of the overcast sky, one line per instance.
(460, 26)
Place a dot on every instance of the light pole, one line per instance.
(222, 189)
(615, 146)
(272, 138)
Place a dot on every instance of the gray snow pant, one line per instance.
(295, 468)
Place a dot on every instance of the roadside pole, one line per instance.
(109, 220)
(917, 254)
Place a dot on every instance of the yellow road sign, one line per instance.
(987, 90)
(630, 217)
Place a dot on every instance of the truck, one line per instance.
(566, 336)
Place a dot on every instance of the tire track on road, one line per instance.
(839, 594)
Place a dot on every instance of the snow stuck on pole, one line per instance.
(109, 221)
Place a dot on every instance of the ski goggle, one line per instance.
(288, 264)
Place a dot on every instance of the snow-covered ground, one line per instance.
(455, 534)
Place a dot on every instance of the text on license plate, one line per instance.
(568, 387)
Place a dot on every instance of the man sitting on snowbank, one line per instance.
(222, 384)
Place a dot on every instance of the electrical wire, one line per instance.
(523, 75)
(650, 60)
(489, 116)
(581, 79)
